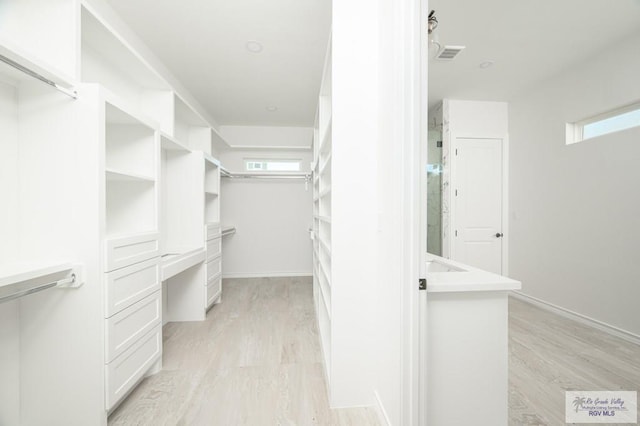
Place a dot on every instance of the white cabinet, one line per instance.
(214, 248)
(126, 370)
(109, 179)
(214, 290)
(124, 251)
(127, 286)
(127, 326)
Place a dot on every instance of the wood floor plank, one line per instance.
(550, 354)
(254, 361)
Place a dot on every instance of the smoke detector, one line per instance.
(449, 53)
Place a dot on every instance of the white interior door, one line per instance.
(478, 203)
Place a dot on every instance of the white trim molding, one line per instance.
(380, 411)
(582, 319)
(268, 274)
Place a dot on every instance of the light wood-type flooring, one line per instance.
(549, 354)
(256, 361)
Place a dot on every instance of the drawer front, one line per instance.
(212, 230)
(127, 286)
(214, 267)
(214, 248)
(125, 251)
(124, 372)
(128, 326)
(214, 289)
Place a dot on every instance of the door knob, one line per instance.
(499, 235)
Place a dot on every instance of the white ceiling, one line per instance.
(528, 41)
(203, 43)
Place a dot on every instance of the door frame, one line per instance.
(452, 140)
(410, 112)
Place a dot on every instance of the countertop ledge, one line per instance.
(469, 280)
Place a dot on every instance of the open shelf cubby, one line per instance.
(130, 145)
(211, 208)
(130, 207)
(180, 219)
(108, 59)
(211, 178)
(189, 127)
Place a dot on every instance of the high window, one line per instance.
(272, 165)
(610, 122)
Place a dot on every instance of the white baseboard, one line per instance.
(268, 274)
(583, 319)
(382, 413)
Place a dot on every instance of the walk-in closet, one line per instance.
(214, 213)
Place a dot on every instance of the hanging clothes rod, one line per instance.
(228, 231)
(71, 93)
(305, 176)
(34, 285)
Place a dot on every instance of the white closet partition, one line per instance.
(322, 276)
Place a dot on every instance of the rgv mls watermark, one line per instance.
(601, 407)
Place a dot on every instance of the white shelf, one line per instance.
(175, 263)
(122, 176)
(21, 272)
(325, 219)
(211, 159)
(110, 60)
(326, 162)
(23, 279)
(168, 143)
(15, 54)
(324, 192)
(325, 142)
(325, 246)
(326, 299)
(212, 193)
(120, 111)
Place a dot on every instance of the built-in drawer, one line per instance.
(212, 230)
(214, 248)
(126, 286)
(125, 251)
(214, 267)
(214, 289)
(129, 325)
(124, 372)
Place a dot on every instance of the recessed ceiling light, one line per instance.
(272, 108)
(254, 46)
(486, 64)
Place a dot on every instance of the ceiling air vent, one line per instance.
(449, 53)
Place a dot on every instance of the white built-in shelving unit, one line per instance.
(107, 171)
(212, 229)
(321, 166)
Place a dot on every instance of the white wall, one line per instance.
(267, 136)
(575, 209)
(272, 217)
